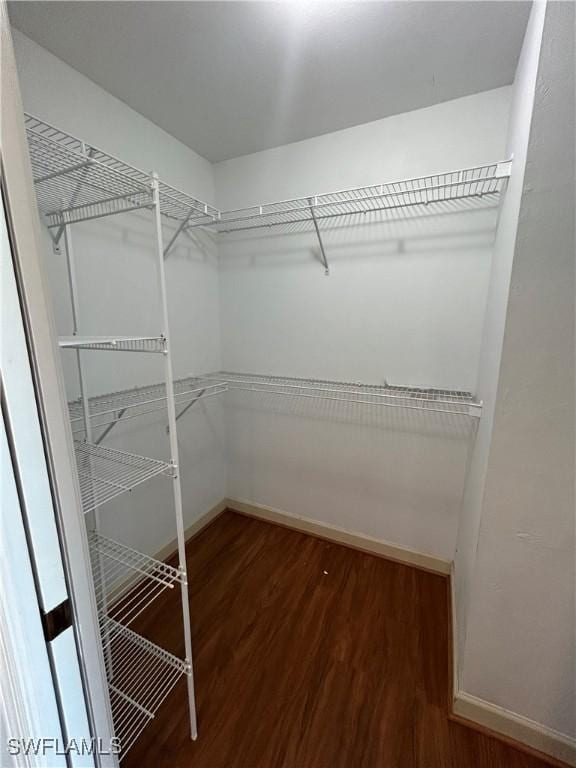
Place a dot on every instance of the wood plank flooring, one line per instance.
(309, 655)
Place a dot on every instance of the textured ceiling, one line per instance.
(230, 78)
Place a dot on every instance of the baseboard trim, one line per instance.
(520, 732)
(331, 533)
(167, 552)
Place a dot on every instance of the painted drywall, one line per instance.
(117, 286)
(522, 583)
(404, 302)
(495, 317)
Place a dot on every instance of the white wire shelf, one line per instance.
(422, 399)
(131, 403)
(468, 183)
(125, 580)
(140, 677)
(76, 182)
(155, 344)
(182, 207)
(107, 409)
(105, 473)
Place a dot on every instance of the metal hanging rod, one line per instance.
(105, 473)
(140, 677)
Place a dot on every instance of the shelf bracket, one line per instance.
(189, 405)
(85, 167)
(176, 234)
(110, 427)
(319, 236)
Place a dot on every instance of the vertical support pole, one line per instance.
(71, 268)
(171, 407)
(95, 515)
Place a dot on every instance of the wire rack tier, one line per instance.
(140, 677)
(76, 181)
(423, 399)
(105, 473)
(155, 344)
(184, 208)
(131, 403)
(125, 580)
(468, 183)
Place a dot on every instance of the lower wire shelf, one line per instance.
(125, 580)
(140, 677)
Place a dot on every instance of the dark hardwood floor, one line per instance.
(309, 655)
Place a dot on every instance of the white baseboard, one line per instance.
(499, 721)
(515, 727)
(193, 529)
(359, 541)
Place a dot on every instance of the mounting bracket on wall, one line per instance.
(312, 202)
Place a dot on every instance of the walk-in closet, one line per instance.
(288, 334)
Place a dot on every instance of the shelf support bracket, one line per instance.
(176, 234)
(85, 167)
(189, 405)
(110, 427)
(319, 236)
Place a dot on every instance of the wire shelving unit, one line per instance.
(77, 182)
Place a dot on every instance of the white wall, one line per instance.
(521, 583)
(118, 293)
(404, 302)
(497, 302)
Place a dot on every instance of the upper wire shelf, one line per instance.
(76, 181)
(105, 473)
(155, 344)
(413, 398)
(469, 183)
(127, 581)
(140, 677)
(184, 208)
